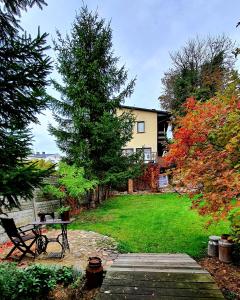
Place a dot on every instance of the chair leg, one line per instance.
(12, 250)
(28, 250)
(22, 256)
(24, 248)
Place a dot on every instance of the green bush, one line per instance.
(234, 218)
(33, 282)
(37, 280)
(51, 191)
(10, 277)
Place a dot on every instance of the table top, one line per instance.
(51, 221)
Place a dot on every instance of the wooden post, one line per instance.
(130, 186)
(92, 198)
(34, 208)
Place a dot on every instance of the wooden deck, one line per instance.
(158, 276)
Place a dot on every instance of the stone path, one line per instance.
(83, 244)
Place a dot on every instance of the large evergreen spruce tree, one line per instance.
(24, 67)
(92, 89)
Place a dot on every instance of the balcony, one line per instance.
(147, 154)
(150, 157)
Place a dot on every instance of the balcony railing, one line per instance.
(150, 157)
(147, 156)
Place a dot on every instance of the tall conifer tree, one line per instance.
(24, 67)
(93, 88)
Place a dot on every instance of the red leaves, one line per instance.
(206, 150)
(149, 179)
(238, 105)
(190, 103)
(5, 246)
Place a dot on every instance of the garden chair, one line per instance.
(22, 238)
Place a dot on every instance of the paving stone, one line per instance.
(83, 244)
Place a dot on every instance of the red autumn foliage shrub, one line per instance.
(206, 150)
(149, 179)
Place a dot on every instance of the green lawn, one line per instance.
(151, 223)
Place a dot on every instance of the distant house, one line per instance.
(149, 134)
(54, 158)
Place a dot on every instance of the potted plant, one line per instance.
(42, 216)
(63, 212)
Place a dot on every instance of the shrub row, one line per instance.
(32, 282)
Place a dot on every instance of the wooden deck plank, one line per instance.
(153, 255)
(145, 297)
(157, 259)
(160, 284)
(166, 256)
(140, 290)
(158, 264)
(158, 276)
(163, 270)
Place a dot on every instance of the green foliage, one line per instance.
(9, 11)
(33, 282)
(71, 183)
(234, 218)
(89, 131)
(159, 223)
(19, 181)
(37, 279)
(10, 277)
(199, 69)
(73, 180)
(66, 275)
(23, 76)
(62, 209)
(50, 190)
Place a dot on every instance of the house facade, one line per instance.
(149, 134)
(54, 158)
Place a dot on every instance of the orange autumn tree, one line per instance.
(206, 152)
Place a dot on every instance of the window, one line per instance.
(140, 126)
(146, 152)
(127, 151)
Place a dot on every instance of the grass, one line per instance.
(151, 223)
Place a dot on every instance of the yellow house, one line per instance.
(149, 134)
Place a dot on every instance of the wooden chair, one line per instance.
(19, 236)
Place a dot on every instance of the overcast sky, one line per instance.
(144, 32)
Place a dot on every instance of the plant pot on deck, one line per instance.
(42, 217)
(65, 216)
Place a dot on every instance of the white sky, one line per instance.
(144, 32)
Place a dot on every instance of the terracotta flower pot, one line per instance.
(65, 216)
(42, 217)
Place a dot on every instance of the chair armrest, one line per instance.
(23, 229)
(20, 227)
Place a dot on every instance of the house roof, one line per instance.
(162, 112)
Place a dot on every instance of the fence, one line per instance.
(28, 212)
(30, 209)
